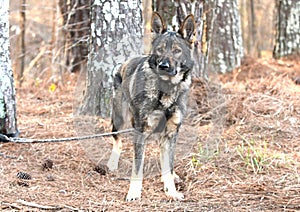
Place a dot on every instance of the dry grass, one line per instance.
(252, 163)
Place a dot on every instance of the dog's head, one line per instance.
(171, 51)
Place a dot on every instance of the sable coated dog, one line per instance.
(154, 88)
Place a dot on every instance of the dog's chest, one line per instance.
(157, 92)
(167, 100)
(161, 94)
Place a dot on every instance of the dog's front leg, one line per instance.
(135, 189)
(117, 123)
(167, 151)
(113, 161)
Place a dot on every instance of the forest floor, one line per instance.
(245, 126)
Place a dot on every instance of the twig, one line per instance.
(35, 60)
(7, 205)
(7, 156)
(4, 138)
(71, 208)
(44, 207)
(35, 205)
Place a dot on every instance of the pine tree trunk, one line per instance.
(218, 44)
(252, 29)
(226, 49)
(22, 41)
(76, 21)
(183, 9)
(147, 35)
(58, 59)
(116, 35)
(167, 10)
(287, 28)
(8, 117)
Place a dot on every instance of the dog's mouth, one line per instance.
(166, 69)
(172, 72)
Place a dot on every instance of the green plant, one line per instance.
(204, 154)
(195, 161)
(252, 156)
(256, 155)
(195, 157)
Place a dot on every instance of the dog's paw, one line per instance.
(133, 195)
(135, 191)
(174, 194)
(169, 186)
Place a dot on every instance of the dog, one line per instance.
(154, 89)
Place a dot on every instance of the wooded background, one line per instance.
(53, 28)
(97, 37)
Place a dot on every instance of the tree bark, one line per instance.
(218, 44)
(183, 9)
(252, 29)
(287, 28)
(226, 49)
(147, 35)
(167, 10)
(76, 22)
(22, 41)
(8, 117)
(58, 59)
(116, 35)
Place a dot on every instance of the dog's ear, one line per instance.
(157, 24)
(188, 27)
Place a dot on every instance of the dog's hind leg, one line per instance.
(167, 151)
(135, 188)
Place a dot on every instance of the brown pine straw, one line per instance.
(253, 110)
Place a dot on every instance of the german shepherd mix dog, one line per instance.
(155, 89)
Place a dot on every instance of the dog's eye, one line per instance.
(159, 50)
(177, 51)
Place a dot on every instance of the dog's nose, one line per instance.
(164, 65)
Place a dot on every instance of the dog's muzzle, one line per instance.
(164, 65)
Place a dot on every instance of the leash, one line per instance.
(4, 138)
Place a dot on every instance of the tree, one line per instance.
(22, 41)
(116, 35)
(226, 46)
(218, 44)
(184, 8)
(167, 10)
(8, 120)
(76, 22)
(287, 28)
